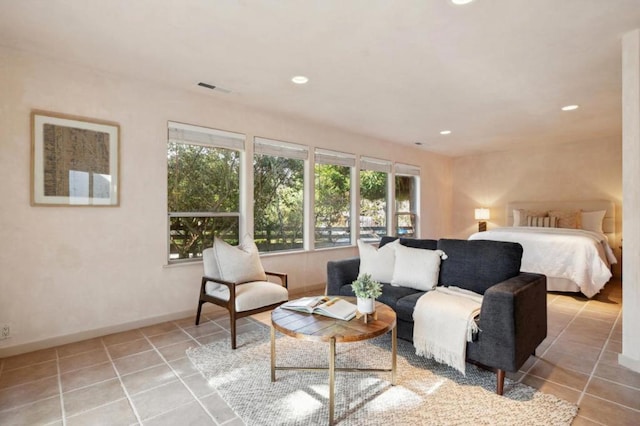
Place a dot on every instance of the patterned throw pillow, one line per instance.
(542, 221)
(520, 216)
(567, 218)
(538, 213)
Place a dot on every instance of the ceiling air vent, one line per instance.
(212, 87)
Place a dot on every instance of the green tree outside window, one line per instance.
(206, 180)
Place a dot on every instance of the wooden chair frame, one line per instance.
(230, 304)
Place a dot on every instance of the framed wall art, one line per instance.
(74, 161)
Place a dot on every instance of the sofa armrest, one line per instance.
(513, 322)
(341, 272)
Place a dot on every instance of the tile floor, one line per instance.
(142, 376)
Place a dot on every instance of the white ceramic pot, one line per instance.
(366, 306)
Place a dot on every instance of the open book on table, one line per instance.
(333, 307)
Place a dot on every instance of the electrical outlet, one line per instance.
(5, 331)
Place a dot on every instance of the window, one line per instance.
(407, 190)
(374, 175)
(278, 211)
(203, 188)
(332, 198)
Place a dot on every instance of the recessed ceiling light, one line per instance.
(569, 107)
(445, 132)
(461, 2)
(300, 79)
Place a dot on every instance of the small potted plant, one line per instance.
(367, 291)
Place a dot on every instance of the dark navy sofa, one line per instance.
(513, 317)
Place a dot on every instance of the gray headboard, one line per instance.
(608, 224)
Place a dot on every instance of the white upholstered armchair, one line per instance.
(235, 279)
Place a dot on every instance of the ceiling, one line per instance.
(494, 72)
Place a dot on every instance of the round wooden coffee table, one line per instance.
(320, 328)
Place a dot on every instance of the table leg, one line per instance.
(332, 377)
(394, 350)
(273, 354)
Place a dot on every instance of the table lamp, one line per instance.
(482, 215)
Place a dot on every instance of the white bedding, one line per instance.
(582, 256)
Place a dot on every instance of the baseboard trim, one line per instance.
(99, 332)
(630, 363)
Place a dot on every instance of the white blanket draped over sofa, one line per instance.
(444, 323)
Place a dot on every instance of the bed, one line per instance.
(572, 258)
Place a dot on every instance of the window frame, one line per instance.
(292, 151)
(189, 134)
(211, 137)
(384, 166)
(407, 170)
(324, 156)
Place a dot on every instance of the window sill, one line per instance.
(198, 262)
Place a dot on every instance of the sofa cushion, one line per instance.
(411, 242)
(476, 265)
(253, 295)
(391, 295)
(405, 306)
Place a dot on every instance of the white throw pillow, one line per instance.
(592, 221)
(239, 264)
(378, 263)
(210, 265)
(417, 268)
(519, 217)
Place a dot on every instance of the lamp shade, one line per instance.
(482, 214)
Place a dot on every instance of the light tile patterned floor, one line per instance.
(143, 376)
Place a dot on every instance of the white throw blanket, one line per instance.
(444, 323)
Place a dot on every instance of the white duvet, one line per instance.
(582, 256)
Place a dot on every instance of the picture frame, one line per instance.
(74, 161)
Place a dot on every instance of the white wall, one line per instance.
(572, 171)
(68, 273)
(630, 356)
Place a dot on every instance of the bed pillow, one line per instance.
(239, 264)
(592, 221)
(542, 221)
(417, 268)
(567, 218)
(519, 217)
(378, 263)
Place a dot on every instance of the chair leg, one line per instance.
(200, 303)
(232, 327)
(500, 382)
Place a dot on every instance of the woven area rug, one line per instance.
(426, 392)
